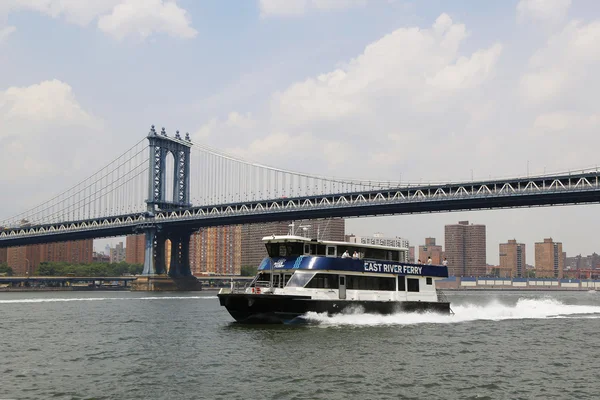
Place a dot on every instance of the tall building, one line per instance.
(135, 247)
(216, 250)
(3, 255)
(26, 259)
(430, 249)
(253, 248)
(75, 251)
(549, 261)
(465, 249)
(117, 254)
(512, 258)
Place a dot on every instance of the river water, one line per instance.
(102, 345)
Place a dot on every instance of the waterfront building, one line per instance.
(100, 258)
(253, 248)
(465, 249)
(74, 251)
(583, 262)
(117, 254)
(512, 258)
(430, 249)
(24, 260)
(216, 251)
(549, 262)
(135, 247)
(4, 255)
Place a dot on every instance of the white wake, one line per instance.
(105, 298)
(494, 311)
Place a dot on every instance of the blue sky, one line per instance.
(430, 90)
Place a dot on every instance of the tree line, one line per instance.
(94, 269)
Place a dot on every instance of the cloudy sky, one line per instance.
(426, 90)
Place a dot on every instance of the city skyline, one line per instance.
(410, 91)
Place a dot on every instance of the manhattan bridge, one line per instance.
(168, 187)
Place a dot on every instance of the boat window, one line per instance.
(401, 284)
(323, 281)
(412, 284)
(343, 280)
(376, 254)
(300, 279)
(331, 250)
(370, 283)
(275, 280)
(321, 249)
(262, 280)
(285, 249)
(429, 281)
(307, 248)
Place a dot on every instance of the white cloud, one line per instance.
(234, 125)
(6, 32)
(74, 11)
(401, 106)
(47, 102)
(409, 67)
(118, 18)
(144, 17)
(299, 7)
(551, 11)
(48, 138)
(567, 63)
(40, 122)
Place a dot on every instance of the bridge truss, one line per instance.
(561, 189)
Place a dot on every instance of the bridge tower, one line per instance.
(161, 146)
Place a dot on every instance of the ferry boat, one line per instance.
(302, 275)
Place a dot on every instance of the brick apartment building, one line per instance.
(465, 249)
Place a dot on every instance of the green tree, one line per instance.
(5, 270)
(248, 270)
(94, 269)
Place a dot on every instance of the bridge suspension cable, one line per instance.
(118, 188)
(218, 178)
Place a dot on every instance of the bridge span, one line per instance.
(138, 193)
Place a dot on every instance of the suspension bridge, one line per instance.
(168, 187)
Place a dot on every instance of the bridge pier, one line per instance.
(154, 276)
(180, 255)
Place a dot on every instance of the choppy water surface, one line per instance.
(509, 345)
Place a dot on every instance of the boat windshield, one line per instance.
(300, 279)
